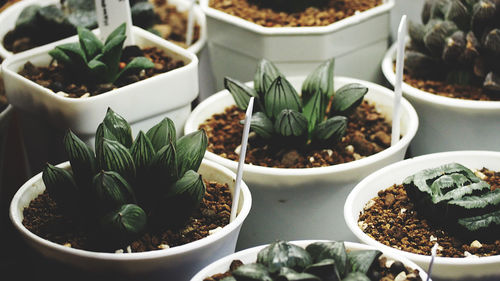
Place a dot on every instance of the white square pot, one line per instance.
(237, 45)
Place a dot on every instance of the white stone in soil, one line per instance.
(129, 249)
(311, 159)
(433, 238)
(163, 246)
(480, 175)
(349, 148)
(469, 255)
(119, 251)
(237, 150)
(476, 244)
(401, 276)
(212, 231)
(369, 204)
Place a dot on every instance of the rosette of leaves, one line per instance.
(454, 196)
(128, 183)
(318, 115)
(320, 261)
(97, 62)
(459, 41)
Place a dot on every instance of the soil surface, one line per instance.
(61, 80)
(386, 271)
(44, 219)
(335, 10)
(391, 219)
(367, 133)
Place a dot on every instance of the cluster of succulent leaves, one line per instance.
(317, 115)
(290, 5)
(98, 62)
(454, 196)
(459, 41)
(319, 261)
(127, 185)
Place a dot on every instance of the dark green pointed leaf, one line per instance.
(416, 32)
(90, 44)
(479, 201)
(261, 125)
(119, 31)
(190, 151)
(166, 164)
(74, 53)
(61, 187)
(281, 95)
(265, 74)
(356, 276)
(457, 12)
(333, 128)
(102, 133)
(97, 68)
(436, 33)
(82, 159)
(27, 19)
(331, 250)
(420, 64)
(325, 269)
(454, 47)
(321, 79)
(190, 185)
(348, 97)
(110, 191)
(124, 224)
(241, 93)
(142, 152)
(162, 134)
(113, 156)
(290, 123)
(137, 64)
(492, 41)
(283, 254)
(119, 127)
(362, 260)
(111, 54)
(288, 274)
(314, 110)
(252, 272)
(483, 12)
(60, 56)
(481, 222)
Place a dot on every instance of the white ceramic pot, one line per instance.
(250, 256)
(411, 8)
(481, 268)
(236, 45)
(176, 263)
(295, 204)
(447, 123)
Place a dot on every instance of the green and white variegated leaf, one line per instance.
(361, 261)
(124, 224)
(314, 110)
(265, 74)
(115, 157)
(333, 128)
(165, 164)
(119, 127)
(321, 79)
(81, 157)
(61, 187)
(480, 222)
(281, 95)
(190, 151)
(283, 254)
(481, 201)
(348, 97)
(241, 93)
(262, 125)
(253, 271)
(290, 123)
(111, 190)
(90, 44)
(356, 276)
(162, 134)
(325, 269)
(288, 274)
(142, 152)
(330, 250)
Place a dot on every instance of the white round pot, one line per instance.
(307, 203)
(237, 45)
(250, 256)
(176, 263)
(444, 268)
(447, 123)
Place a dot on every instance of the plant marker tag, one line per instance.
(190, 24)
(433, 255)
(112, 13)
(396, 111)
(241, 162)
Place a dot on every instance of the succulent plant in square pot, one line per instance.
(158, 208)
(305, 150)
(451, 75)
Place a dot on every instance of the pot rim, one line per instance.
(353, 225)
(386, 6)
(317, 171)
(149, 255)
(423, 96)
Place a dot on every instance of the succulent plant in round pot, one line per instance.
(302, 149)
(451, 75)
(146, 197)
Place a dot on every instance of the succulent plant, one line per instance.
(459, 41)
(318, 261)
(290, 5)
(129, 184)
(94, 61)
(318, 115)
(452, 195)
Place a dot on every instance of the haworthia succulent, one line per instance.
(162, 134)
(116, 157)
(190, 151)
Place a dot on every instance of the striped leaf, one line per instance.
(290, 123)
(116, 157)
(142, 152)
(166, 164)
(481, 222)
(333, 128)
(101, 133)
(321, 79)
(110, 191)
(261, 125)
(362, 260)
(240, 92)
(314, 110)
(82, 159)
(281, 95)
(348, 97)
(124, 224)
(266, 73)
(118, 127)
(162, 134)
(61, 187)
(190, 151)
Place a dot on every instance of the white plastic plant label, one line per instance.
(112, 13)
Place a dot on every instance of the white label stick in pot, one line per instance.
(112, 13)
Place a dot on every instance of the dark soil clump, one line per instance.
(45, 219)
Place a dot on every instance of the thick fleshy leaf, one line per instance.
(362, 260)
(61, 187)
(325, 269)
(348, 97)
(330, 250)
(421, 65)
(457, 12)
(110, 191)
(356, 276)
(60, 56)
(281, 95)
(124, 224)
(482, 13)
(416, 32)
(119, 127)
(454, 47)
(492, 41)
(262, 125)
(74, 53)
(113, 156)
(471, 48)
(142, 152)
(137, 64)
(162, 133)
(102, 133)
(97, 68)
(314, 110)
(111, 54)
(252, 272)
(283, 254)
(190, 151)
(90, 44)
(437, 32)
(321, 79)
(119, 31)
(480, 201)
(288, 274)
(82, 159)
(290, 123)
(492, 82)
(265, 74)
(165, 164)
(191, 185)
(333, 128)
(240, 92)
(481, 222)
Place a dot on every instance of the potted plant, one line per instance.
(296, 49)
(464, 252)
(324, 259)
(457, 92)
(147, 198)
(285, 195)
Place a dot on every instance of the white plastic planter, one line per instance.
(176, 263)
(307, 203)
(447, 123)
(237, 45)
(482, 268)
(250, 256)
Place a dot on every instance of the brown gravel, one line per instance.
(44, 219)
(312, 16)
(367, 133)
(393, 221)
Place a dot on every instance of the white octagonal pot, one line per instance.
(176, 263)
(447, 123)
(250, 256)
(482, 268)
(306, 203)
(237, 45)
